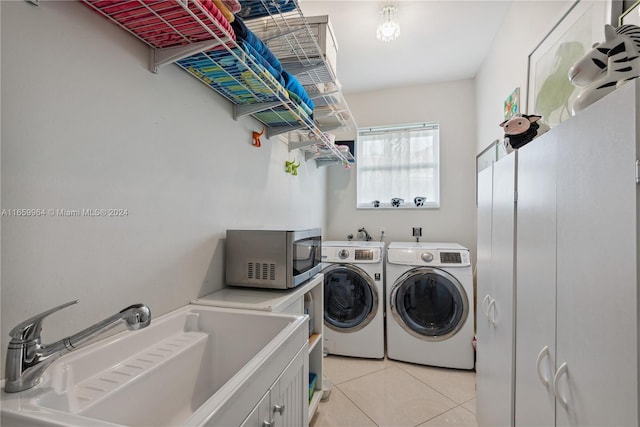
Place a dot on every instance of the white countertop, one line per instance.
(255, 298)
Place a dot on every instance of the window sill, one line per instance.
(399, 208)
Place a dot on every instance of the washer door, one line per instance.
(429, 303)
(350, 298)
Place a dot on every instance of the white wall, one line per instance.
(505, 67)
(87, 125)
(450, 104)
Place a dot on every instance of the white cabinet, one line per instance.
(283, 405)
(597, 263)
(578, 269)
(496, 292)
(536, 279)
(283, 301)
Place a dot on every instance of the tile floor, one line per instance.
(388, 393)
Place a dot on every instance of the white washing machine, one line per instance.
(430, 304)
(353, 298)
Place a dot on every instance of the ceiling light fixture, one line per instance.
(388, 26)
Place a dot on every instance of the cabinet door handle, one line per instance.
(544, 352)
(278, 408)
(562, 370)
(269, 423)
(492, 319)
(486, 309)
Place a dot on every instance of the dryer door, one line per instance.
(350, 298)
(429, 303)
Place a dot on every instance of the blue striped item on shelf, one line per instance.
(233, 77)
(258, 8)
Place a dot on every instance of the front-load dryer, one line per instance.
(353, 298)
(429, 302)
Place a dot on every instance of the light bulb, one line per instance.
(388, 27)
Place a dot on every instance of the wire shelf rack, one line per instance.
(196, 36)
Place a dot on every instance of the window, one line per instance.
(398, 167)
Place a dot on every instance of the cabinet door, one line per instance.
(536, 283)
(261, 415)
(495, 331)
(483, 266)
(285, 404)
(597, 329)
(483, 292)
(289, 394)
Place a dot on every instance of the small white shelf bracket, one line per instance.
(168, 55)
(241, 110)
(301, 144)
(308, 155)
(321, 162)
(278, 130)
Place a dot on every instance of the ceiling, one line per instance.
(440, 40)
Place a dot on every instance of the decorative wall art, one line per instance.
(631, 15)
(512, 104)
(549, 91)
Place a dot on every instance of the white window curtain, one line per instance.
(398, 163)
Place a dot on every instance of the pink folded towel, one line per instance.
(233, 5)
(166, 23)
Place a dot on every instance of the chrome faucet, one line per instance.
(367, 236)
(27, 357)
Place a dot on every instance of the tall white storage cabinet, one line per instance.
(578, 269)
(536, 280)
(496, 293)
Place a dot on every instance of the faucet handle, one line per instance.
(29, 330)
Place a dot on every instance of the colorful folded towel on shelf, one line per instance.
(228, 15)
(301, 103)
(278, 117)
(219, 14)
(233, 5)
(243, 33)
(293, 85)
(166, 23)
(228, 73)
(255, 55)
(253, 45)
(260, 8)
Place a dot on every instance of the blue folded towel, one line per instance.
(261, 61)
(244, 33)
(292, 84)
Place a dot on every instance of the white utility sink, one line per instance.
(194, 366)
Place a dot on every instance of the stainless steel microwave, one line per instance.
(278, 259)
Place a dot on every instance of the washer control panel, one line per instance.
(450, 257)
(429, 257)
(364, 255)
(351, 255)
(426, 256)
